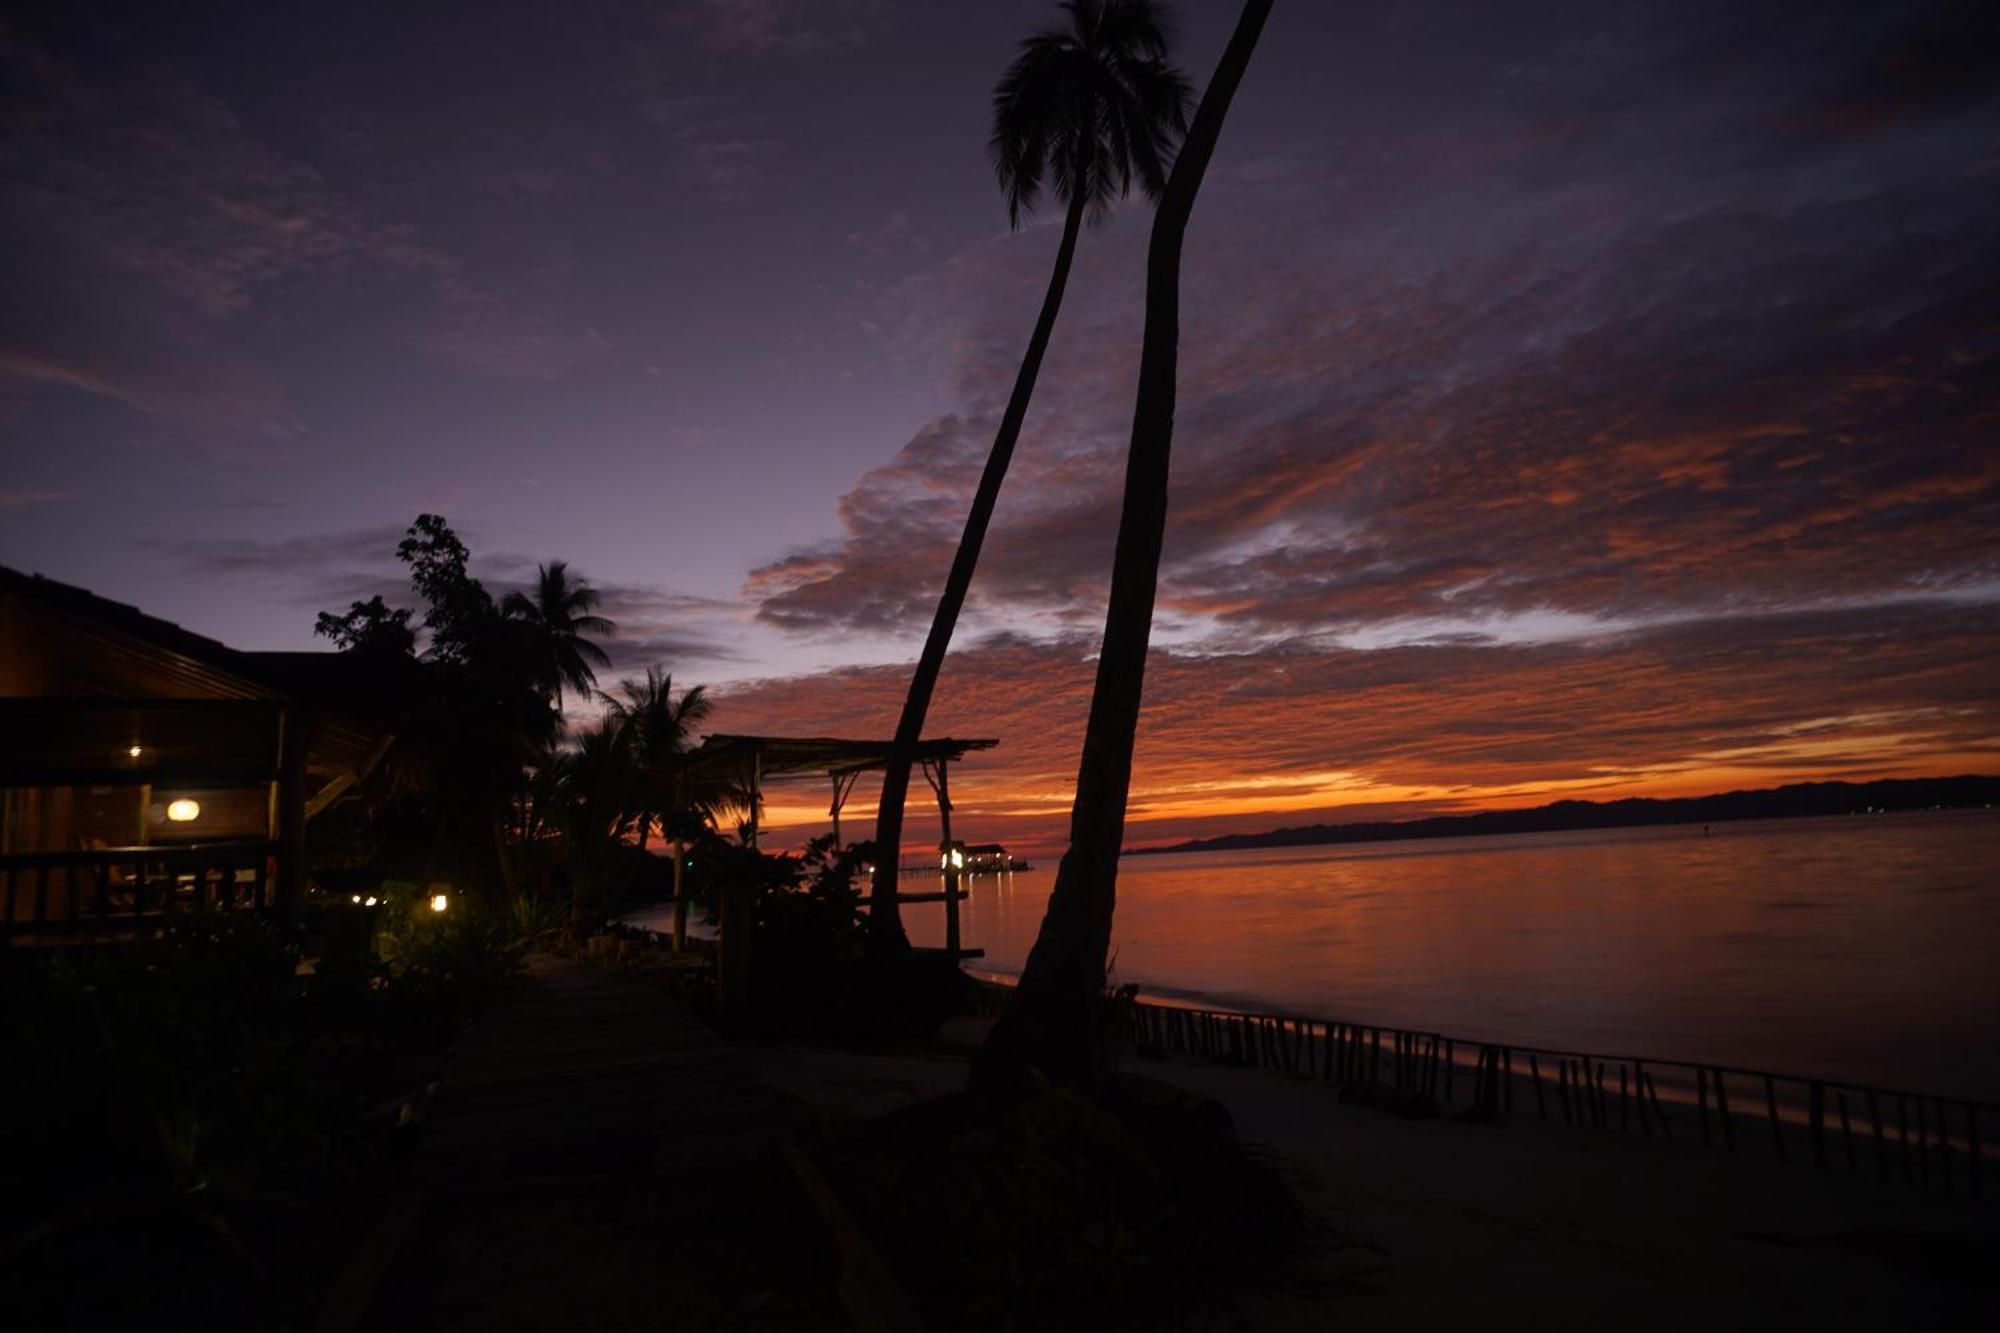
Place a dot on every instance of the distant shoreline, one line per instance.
(1793, 801)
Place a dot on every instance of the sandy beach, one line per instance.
(1452, 1221)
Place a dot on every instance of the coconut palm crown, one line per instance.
(562, 611)
(1090, 108)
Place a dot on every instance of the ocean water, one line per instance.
(1864, 948)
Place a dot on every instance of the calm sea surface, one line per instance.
(1861, 947)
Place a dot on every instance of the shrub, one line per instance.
(189, 1110)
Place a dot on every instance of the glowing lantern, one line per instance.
(135, 752)
(439, 902)
(183, 811)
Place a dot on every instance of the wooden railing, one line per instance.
(1919, 1138)
(108, 892)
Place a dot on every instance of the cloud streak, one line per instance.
(1233, 741)
(1485, 377)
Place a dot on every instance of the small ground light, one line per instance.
(135, 751)
(439, 902)
(183, 811)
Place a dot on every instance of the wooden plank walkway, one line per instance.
(581, 1073)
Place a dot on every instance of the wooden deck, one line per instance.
(595, 1157)
(581, 1073)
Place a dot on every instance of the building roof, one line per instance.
(192, 706)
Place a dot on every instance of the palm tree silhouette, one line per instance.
(1086, 110)
(1055, 1019)
(659, 728)
(561, 611)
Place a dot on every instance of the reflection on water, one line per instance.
(1856, 948)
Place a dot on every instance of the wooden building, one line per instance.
(146, 770)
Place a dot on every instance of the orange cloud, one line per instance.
(1291, 734)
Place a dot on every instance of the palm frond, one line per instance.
(1087, 109)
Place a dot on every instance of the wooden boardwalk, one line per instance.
(594, 1157)
(581, 1073)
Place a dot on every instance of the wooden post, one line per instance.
(1846, 1132)
(1816, 1113)
(1943, 1147)
(940, 777)
(295, 728)
(1881, 1139)
(1659, 1111)
(680, 865)
(1923, 1145)
(1701, 1103)
(1624, 1110)
(732, 964)
(680, 898)
(843, 787)
(756, 793)
(1771, 1109)
(1972, 1163)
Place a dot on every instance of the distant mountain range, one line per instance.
(1795, 799)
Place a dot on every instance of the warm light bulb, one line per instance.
(135, 752)
(438, 902)
(183, 811)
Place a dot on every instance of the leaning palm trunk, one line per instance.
(1055, 1021)
(885, 922)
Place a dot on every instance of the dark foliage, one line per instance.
(369, 627)
(1042, 1209)
(195, 1126)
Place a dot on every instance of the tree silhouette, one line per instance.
(1086, 111)
(484, 705)
(1055, 1020)
(659, 731)
(372, 627)
(561, 610)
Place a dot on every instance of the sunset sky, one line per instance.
(1576, 399)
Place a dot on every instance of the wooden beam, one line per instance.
(296, 726)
